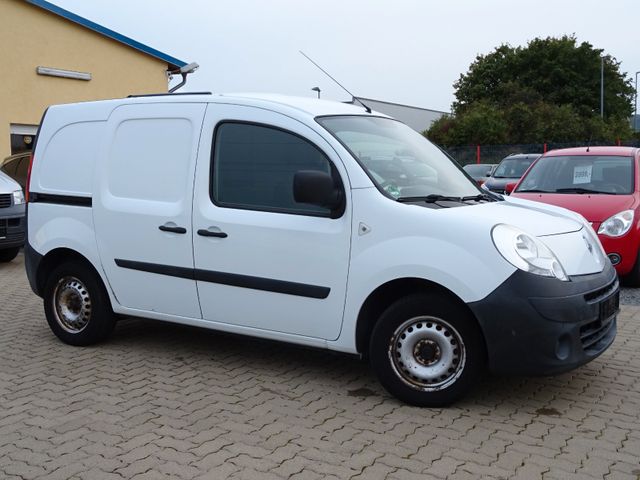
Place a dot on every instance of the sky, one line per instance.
(402, 51)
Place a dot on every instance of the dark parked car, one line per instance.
(480, 172)
(17, 166)
(12, 219)
(510, 170)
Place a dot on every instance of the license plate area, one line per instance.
(609, 306)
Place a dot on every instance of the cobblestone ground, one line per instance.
(165, 401)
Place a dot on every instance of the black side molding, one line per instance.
(180, 272)
(75, 201)
(232, 279)
(264, 284)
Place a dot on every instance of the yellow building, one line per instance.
(50, 55)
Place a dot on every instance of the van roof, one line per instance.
(305, 105)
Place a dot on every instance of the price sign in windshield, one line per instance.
(582, 174)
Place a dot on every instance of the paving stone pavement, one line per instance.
(167, 401)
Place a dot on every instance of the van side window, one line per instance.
(254, 165)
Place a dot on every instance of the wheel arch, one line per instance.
(56, 257)
(386, 294)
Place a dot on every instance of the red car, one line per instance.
(601, 184)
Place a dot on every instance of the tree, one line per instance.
(546, 91)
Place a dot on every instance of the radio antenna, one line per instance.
(355, 99)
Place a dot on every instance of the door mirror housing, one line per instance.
(509, 187)
(317, 188)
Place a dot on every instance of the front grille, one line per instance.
(5, 200)
(602, 293)
(596, 335)
(593, 333)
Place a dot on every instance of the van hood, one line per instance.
(563, 231)
(595, 208)
(534, 218)
(8, 184)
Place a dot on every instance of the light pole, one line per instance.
(317, 89)
(601, 87)
(635, 110)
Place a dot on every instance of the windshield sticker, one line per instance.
(582, 174)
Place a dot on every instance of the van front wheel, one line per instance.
(77, 305)
(426, 350)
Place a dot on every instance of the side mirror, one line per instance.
(316, 188)
(509, 187)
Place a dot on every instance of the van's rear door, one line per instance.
(142, 206)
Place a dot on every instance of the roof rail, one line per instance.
(168, 94)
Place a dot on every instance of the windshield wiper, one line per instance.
(580, 190)
(535, 190)
(480, 196)
(432, 198)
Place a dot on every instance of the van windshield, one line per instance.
(401, 162)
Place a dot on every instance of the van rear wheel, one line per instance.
(427, 350)
(77, 305)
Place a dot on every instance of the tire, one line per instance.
(77, 305)
(8, 254)
(427, 350)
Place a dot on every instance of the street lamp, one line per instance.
(317, 89)
(184, 71)
(635, 111)
(601, 86)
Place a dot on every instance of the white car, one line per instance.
(310, 222)
(12, 221)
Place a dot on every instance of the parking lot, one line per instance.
(165, 401)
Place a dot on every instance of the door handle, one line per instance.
(208, 233)
(166, 228)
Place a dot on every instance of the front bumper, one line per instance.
(12, 226)
(541, 326)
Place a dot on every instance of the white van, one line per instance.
(310, 222)
(12, 221)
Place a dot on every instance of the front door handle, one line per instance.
(208, 233)
(168, 228)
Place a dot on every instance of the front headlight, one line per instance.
(18, 197)
(617, 225)
(526, 252)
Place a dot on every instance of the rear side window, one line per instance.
(254, 166)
